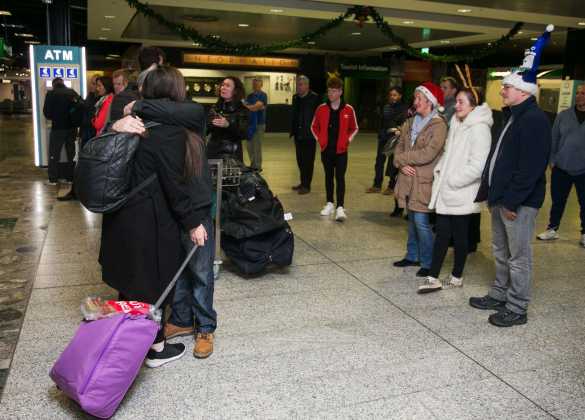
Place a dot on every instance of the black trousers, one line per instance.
(335, 167)
(447, 227)
(382, 161)
(561, 184)
(58, 139)
(305, 149)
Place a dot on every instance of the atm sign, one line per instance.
(45, 72)
(71, 73)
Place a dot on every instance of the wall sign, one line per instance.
(232, 60)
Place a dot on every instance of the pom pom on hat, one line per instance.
(433, 93)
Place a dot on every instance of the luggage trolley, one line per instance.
(224, 173)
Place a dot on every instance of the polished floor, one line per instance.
(340, 334)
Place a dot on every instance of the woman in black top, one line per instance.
(141, 243)
(228, 121)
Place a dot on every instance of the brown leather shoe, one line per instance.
(203, 345)
(388, 191)
(373, 190)
(172, 330)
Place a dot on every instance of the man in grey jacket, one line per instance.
(568, 165)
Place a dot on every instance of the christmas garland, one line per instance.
(361, 14)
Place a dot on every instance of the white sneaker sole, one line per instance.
(154, 363)
(341, 219)
(547, 239)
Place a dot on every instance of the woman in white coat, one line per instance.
(456, 182)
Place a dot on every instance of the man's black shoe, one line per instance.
(507, 318)
(68, 197)
(397, 212)
(423, 272)
(486, 302)
(406, 263)
(303, 190)
(296, 187)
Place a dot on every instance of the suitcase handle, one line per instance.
(164, 295)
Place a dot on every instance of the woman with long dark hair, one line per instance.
(105, 92)
(228, 121)
(141, 246)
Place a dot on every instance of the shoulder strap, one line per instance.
(140, 187)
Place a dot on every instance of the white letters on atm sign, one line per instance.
(59, 55)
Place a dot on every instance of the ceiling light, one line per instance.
(5, 13)
(216, 36)
(444, 41)
(196, 44)
(464, 10)
(533, 38)
(106, 29)
(24, 35)
(12, 25)
(32, 42)
(407, 22)
(114, 55)
(103, 38)
(109, 17)
(356, 33)
(581, 23)
(243, 25)
(276, 10)
(311, 43)
(520, 32)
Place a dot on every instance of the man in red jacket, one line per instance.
(334, 126)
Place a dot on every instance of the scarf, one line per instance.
(419, 124)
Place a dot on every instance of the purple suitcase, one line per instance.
(104, 357)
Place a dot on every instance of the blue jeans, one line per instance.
(420, 239)
(193, 301)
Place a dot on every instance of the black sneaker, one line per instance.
(406, 263)
(507, 318)
(487, 303)
(397, 212)
(296, 187)
(423, 272)
(304, 190)
(170, 353)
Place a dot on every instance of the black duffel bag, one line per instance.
(104, 169)
(254, 255)
(250, 209)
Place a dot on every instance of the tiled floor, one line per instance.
(339, 334)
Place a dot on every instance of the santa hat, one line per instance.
(524, 77)
(433, 93)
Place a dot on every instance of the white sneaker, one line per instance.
(582, 241)
(548, 235)
(51, 183)
(340, 215)
(328, 209)
(456, 281)
(431, 284)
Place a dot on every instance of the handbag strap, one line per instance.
(164, 295)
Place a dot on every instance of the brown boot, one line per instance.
(172, 330)
(203, 345)
(373, 190)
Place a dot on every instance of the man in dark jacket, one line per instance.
(125, 91)
(513, 183)
(59, 104)
(305, 101)
(394, 114)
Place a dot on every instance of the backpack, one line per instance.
(77, 112)
(104, 169)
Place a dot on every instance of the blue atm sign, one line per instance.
(45, 72)
(58, 72)
(71, 73)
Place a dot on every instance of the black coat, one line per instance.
(58, 106)
(519, 173)
(227, 141)
(303, 110)
(121, 100)
(141, 249)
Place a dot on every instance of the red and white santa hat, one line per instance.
(433, 93)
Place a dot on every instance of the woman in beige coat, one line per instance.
(421, 143)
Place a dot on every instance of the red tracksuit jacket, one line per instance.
(348, 126)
